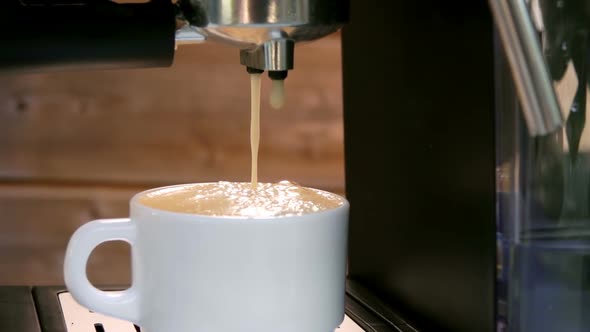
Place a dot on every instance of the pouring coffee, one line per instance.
(218, 257)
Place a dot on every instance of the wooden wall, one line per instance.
(75, 146)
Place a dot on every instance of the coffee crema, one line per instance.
(239, 199)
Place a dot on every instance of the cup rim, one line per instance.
(134, 202)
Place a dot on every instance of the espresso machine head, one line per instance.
(265, 31)
(57, 34)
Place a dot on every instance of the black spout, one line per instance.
(251, 70)
(278, 74)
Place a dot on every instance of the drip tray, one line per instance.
(79, 319)
(52, 309)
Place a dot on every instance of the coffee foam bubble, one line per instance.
(239, 199)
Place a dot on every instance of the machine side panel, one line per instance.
(419, 150)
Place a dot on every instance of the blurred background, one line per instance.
(75, 146)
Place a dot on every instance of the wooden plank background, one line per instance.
(75, 146)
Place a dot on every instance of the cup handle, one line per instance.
(120, 304)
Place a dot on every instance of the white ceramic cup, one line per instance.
(194, 273)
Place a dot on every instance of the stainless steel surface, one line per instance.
(534, 86)
(188, 35)
(79, 319)
(221, 12)
(265, 30)
(275, 54)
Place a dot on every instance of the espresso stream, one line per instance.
(277, 94)
(235, 199)
(254, 125)
(277, 99)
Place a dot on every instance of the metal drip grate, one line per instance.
(79, 319)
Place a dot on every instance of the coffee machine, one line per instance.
(472, 215)
(465, 143)
(105, 34)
